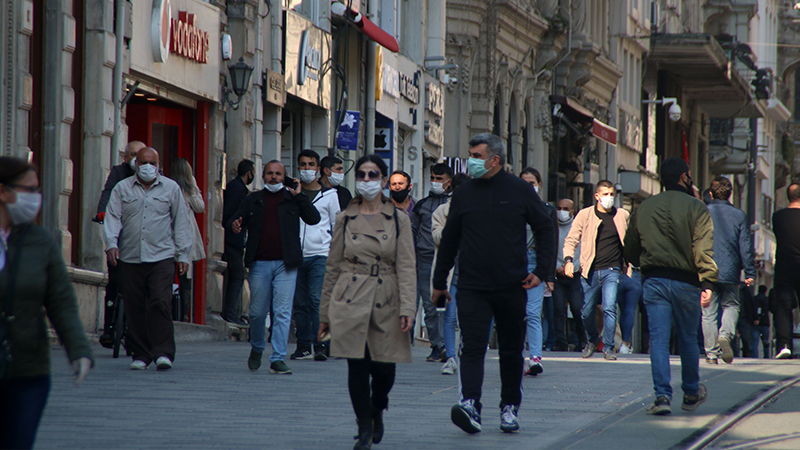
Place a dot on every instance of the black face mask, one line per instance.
(251, 176)
(400, 196)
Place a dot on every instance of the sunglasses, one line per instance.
(371, 175)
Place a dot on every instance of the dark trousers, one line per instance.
(787, 289)
(234, 281)
(366, 398)
(185, 289)
(475, 312)
(567, 291)
(148, 308)
(22, 403)
(112, 290)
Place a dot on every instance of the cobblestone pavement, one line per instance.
(210, 400)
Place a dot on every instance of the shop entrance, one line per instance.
(178, 132)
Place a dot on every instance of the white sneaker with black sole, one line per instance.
(450, 367)
(138, 365)
(466, 416)
(508, 418)
(163, 363)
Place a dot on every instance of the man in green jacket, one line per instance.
(671, 237)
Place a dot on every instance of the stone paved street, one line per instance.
(210, 400)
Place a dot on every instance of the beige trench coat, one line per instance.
(370, 281)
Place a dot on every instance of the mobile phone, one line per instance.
(290, 183)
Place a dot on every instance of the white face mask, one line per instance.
(437, 188)
(308, 176)
(273, 187)
(147, 172)
(368, 189)
(26, 208)
(336, 178)
(536, 189)
(132, 164)
(607, 202)
(563, 216)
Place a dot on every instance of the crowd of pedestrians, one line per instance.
(482, 255)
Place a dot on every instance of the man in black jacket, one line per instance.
(235, 193)
(273, 254)
(486, 227)
(117, 174)
(331, 174)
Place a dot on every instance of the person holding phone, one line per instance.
(368, 299)
(273, 254)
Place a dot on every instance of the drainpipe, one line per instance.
(369, 134)
(116, 92)
(751, 181)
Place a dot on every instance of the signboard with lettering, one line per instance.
(347, 137)
(274, 88)
(434, 133)
(409, 87)
(306, 48)
(391, 81)
(187, 39)
(434, 101)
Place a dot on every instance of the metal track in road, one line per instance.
(739, 414)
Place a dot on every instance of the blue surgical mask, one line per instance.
(147, 172)
(26, 207)
(476, 168)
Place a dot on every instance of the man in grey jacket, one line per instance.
(732, 252)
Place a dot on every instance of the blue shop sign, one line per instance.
(347, 137)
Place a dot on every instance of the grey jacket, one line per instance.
(421, 223)
(732, 249)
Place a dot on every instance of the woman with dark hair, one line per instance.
(193, 200)
(34, 287)
(369, 296)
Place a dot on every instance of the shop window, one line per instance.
(307, 8)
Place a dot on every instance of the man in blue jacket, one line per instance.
(732, 252)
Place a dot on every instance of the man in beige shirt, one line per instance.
(146, 229)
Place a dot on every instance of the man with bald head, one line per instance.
(146, 229)
(785, 224)
(117, 174)
(273, 254)
(567, 289)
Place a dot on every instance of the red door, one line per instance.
(178, 132)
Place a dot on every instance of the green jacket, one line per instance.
(42, 291)
(671, 235)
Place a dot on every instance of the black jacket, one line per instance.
(235, 193)
(486, 227)
(344, 197)
(291, 209)
(117, 174)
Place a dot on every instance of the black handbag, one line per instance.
(7, 314)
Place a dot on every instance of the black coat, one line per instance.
(117, 174)
(291, 209)
(235, 193)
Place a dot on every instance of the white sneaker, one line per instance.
(450, 367)
(784, 354)
(138, 365)
(527, 366)
(163, 363)
(625, 349)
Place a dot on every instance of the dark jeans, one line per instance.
(148, 308)
(22, 402)
(433, 319)
(112, 290)
(786, 290)
(475, 312)
(548, 325)
(307, 293)
(760, 334)
(185, 289)
(234, 281)
(567, 291)
(366, 398)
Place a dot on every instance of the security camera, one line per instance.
(674, 112)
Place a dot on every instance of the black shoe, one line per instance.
(434, 356)
(302, 352)
(238, 322)
(107, 340)
(319, 355)
(660, 406)
(364, 437)
(691, 402)
(443, 355)
(254, 361)
(377, 425)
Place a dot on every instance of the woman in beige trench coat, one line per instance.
(368, 297)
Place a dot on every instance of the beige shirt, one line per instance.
(148, 225)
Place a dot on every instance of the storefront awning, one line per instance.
(577, 114)
(705, 74)
(604, 132)
(366, 26)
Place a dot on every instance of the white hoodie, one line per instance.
(315, 240)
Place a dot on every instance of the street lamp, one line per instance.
(240, 82)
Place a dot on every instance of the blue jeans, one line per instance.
(666, 301)
(22, 402)
(605, 282)
(548, 324)
(450, 322)
(725, 298)
(628, 295)
(433, 319)
(533, 311)
(306, 298)
(760, 335)
(271, 284)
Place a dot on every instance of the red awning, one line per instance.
(366, 26)
(604, 132)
